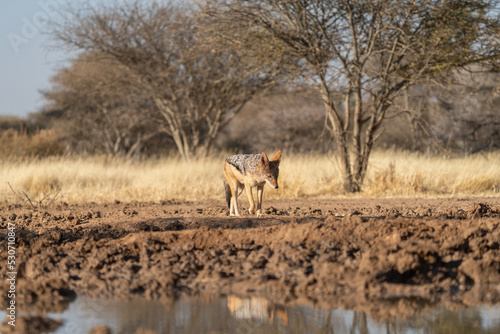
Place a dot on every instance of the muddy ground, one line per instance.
(353, 253)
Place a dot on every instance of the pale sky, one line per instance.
(26, 64)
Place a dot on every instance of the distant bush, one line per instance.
(13, 122)
(290, 122)
(41, 143)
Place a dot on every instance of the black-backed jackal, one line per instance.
(246, 171)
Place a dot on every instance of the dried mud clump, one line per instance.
(481, 210)
(276, 212)
(31, 324)
(358, 249)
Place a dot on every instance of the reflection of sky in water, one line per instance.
(257, 315)
(490, 317)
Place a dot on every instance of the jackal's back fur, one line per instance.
(245, 162)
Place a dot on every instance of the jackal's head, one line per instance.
(270, 168)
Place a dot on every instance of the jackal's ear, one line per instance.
(277, 157)
(264, 160)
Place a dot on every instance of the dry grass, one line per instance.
(104, 179)
(42, 143)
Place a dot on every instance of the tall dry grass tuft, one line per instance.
(105, 179)
(394, 173)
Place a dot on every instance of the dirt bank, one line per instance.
(323, 251)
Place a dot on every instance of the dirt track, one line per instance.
(347, 251)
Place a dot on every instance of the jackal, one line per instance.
(248, 171)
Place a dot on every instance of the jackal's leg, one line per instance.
(231, 206)
(234, 210)
(250, 199)
(260, 191)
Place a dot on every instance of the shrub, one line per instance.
(42, 143)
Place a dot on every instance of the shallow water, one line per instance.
(257, 315)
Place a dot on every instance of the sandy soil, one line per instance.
(347, 252)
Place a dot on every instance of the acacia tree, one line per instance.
(362, 54)
(98, 108)
(197, 89)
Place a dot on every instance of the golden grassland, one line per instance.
(106, 179)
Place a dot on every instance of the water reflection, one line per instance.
(257, 309)
(234, 314)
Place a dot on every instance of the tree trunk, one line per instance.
(357, 128)
(340, 137)
(174, 129)
(371, 136)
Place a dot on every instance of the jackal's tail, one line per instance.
(228, 194)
